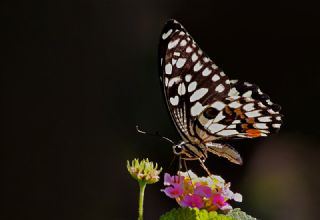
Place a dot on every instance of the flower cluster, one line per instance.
(210, 193)
(144, 171)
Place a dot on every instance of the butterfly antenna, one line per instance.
(156, 134)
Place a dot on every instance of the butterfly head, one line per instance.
(179, 149)
(188, 151)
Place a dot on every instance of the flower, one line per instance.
(219, 200)
(202, 190)
(172, 180)
(173, 191)
(192, 201)
(144, 171)
(189, 190)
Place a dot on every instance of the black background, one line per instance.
(77, 76)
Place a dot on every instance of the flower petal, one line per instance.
(219, 200)
(237, 197)
(173, 192)
(203, 191)
(192, 201)
(167, 179)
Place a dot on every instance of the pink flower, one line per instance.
(172, 180)
(192, 201)
(219, 200)
(189, 190)
(202, 190)
(173, 191)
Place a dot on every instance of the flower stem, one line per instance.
(142, 186)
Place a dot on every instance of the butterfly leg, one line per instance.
(180, 164)
(204, 166)
(185, 165)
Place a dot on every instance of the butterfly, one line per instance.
(207, 107)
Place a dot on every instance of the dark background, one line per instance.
(77, 76)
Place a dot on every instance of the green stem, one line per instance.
(142, 185)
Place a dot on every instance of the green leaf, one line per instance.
(240, 215)
(193, 214)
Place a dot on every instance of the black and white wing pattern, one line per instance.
(203, 102)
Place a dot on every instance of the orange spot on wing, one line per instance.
(227, 110)
(250, 120)
(244, 126)
(239, 113)
(253, 133)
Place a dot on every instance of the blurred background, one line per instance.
(78, 76)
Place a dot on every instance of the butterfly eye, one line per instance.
(178, 149)
(210, 113)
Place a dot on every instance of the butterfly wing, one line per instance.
(191, 81)
(204, 104)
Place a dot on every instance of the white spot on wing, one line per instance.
(197, 67)
(166, 81)
(183, 43)
(271, 111)
(232, 126)
(260, 125)
(181, 62)
(174, 81)
(189, 50)
(276, 125)
(194, 57)
(206, 71)
(253, 114)
(206, 59)
(174, 61)
(188, 77)
(222, 73)
(233, 92)
(181, 89)
(219, 117)
(215, 78)
(228, 132)
(198, 94)
(234, 104)
(269, 102)
(248, 107)
(192, 86)
(247, 94)
(216, 127)
(265, 119)
(173, 44)
(261, 105)
(214, 66)
(234, 81)
(219, 88)
(174, 101)
(168, 68)
(165, 35)
(218, 105)
(196, 109)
